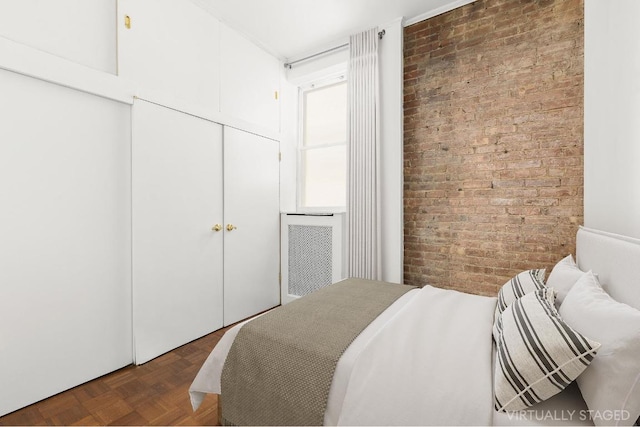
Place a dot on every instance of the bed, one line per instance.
(441, 357)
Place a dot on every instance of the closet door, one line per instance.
(177, 253)
(252, 230)
(65, 238)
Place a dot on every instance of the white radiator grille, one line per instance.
(309, 258)
(311, 253)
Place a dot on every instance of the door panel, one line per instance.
(172, 52)
(65, 227)
(251, 203)
(250, 78)
(177, 257)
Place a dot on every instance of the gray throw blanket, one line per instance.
(280, 366)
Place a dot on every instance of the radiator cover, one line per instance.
(311, 255)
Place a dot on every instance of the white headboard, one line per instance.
(616, 261)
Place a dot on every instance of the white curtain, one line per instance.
(363, 200)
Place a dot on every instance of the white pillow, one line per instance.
(612, 382)
(538, 354)
(563, 276)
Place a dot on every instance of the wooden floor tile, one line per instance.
(155, 393)
(58, 404)
(130, 419)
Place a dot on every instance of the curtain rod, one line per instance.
(288, 65)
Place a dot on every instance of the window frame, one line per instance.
(301, 149)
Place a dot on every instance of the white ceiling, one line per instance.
(292, 28)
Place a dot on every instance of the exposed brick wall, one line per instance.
(493, 141)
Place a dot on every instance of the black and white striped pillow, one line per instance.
(520, 285)
(538, 354)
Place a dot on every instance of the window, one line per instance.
(323, 147)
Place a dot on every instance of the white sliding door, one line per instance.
(177, 256)
(251, 205)
(65, 239)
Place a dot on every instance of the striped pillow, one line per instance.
(538, 354)
(520, 285)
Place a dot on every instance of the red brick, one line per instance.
(493, 124)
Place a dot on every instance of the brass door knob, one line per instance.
(231, 227)
(216, 227)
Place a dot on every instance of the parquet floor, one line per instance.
(155, 393)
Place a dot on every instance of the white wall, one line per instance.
(288, 145)
(78, 30)
(611, 116)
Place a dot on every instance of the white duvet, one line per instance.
(427, 360)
